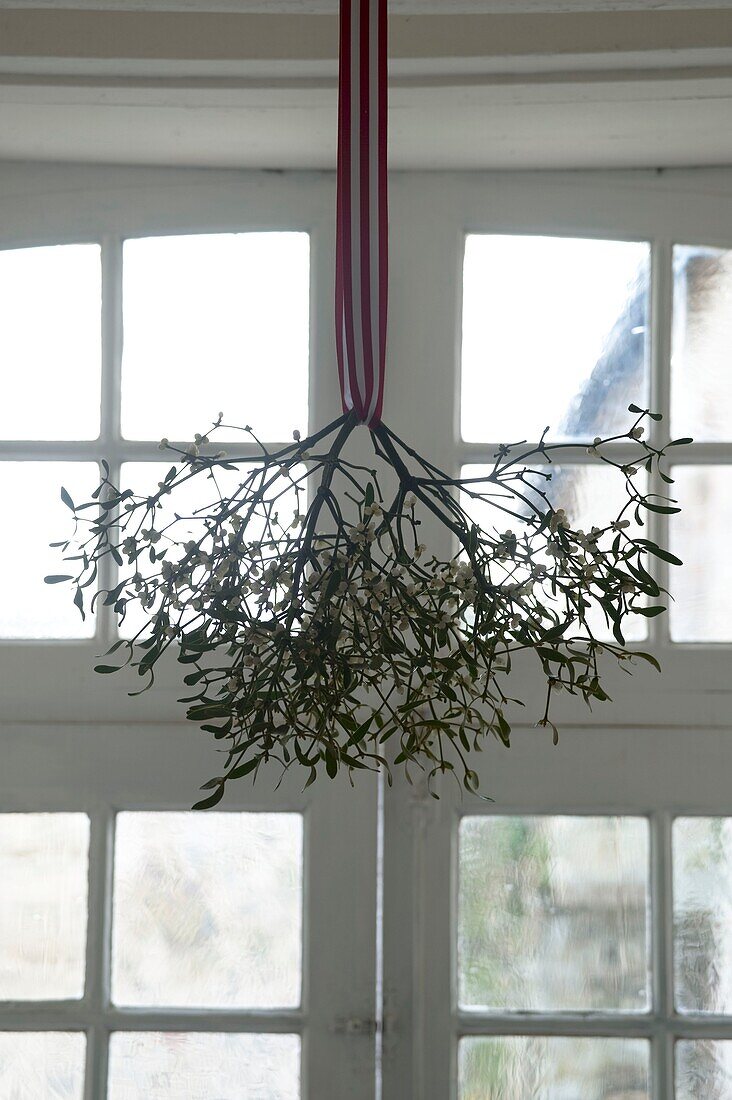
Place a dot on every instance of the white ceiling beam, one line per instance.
(226, 37)
(329, 7)
(649, 85)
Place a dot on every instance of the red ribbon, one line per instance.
(361, 217)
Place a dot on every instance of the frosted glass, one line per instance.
(592, 496)
(703, 913)
(703, 1070)
(159, 1066)
(50, 342)
(43, 899)
(540, 1068)
(553, 913)
(207, 910)
(701, 391)
(702, 588)
(555, 332)
(30, 494)
(216, 322)
(41, 1065)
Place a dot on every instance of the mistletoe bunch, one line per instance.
(316, 625)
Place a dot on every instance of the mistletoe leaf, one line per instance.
(212, 800)
(318, 626)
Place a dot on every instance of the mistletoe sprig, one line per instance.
(315, 623)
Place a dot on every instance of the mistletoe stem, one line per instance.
(322, 494)
(312, 640)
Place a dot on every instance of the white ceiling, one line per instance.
(534, 87)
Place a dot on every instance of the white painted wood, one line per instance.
(331, 6)
(102, 766)
(430, 213)
(641, 771)
(664, 746)
(661, 327)
(571, 120)
(535, 85)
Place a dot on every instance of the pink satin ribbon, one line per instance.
(361, 218)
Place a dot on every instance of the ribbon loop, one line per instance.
(361, 208)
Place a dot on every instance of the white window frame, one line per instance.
(605, 770)
(95, 751)
(663, 746)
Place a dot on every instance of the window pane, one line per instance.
(42, 1064)
(207, 910)
(203, 1066)
(50, 342)
(703, 1070)
(215, 322)
(519, 1067)
(592, 496)
(701, 392)
(200, 492)
(555, 332)
(197, 497)
(703, 913)
(702, 588)
(43, 899)
(553, 913)
(35, 516)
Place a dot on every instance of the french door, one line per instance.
(567, 940)
(145, 950)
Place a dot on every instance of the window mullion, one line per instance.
(662, 961)
(281, 1021)
(661, 313)
(98, 951)
(587, 1025)
(111, 338)
(97, 1059)
(110, 435)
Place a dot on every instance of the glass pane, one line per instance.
(704, 1070)
(540, 1068)
(43, 898)
(216, 322)
(553, 913)
(50, 342)
(207, 910)
(703, 913)
(555, 332)
(701, 391)
(42, 1065)
(701, 610)
(154, 1066)
(592, 496)
(199, 495)
(30, 492)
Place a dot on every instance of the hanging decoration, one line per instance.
(316, 628)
